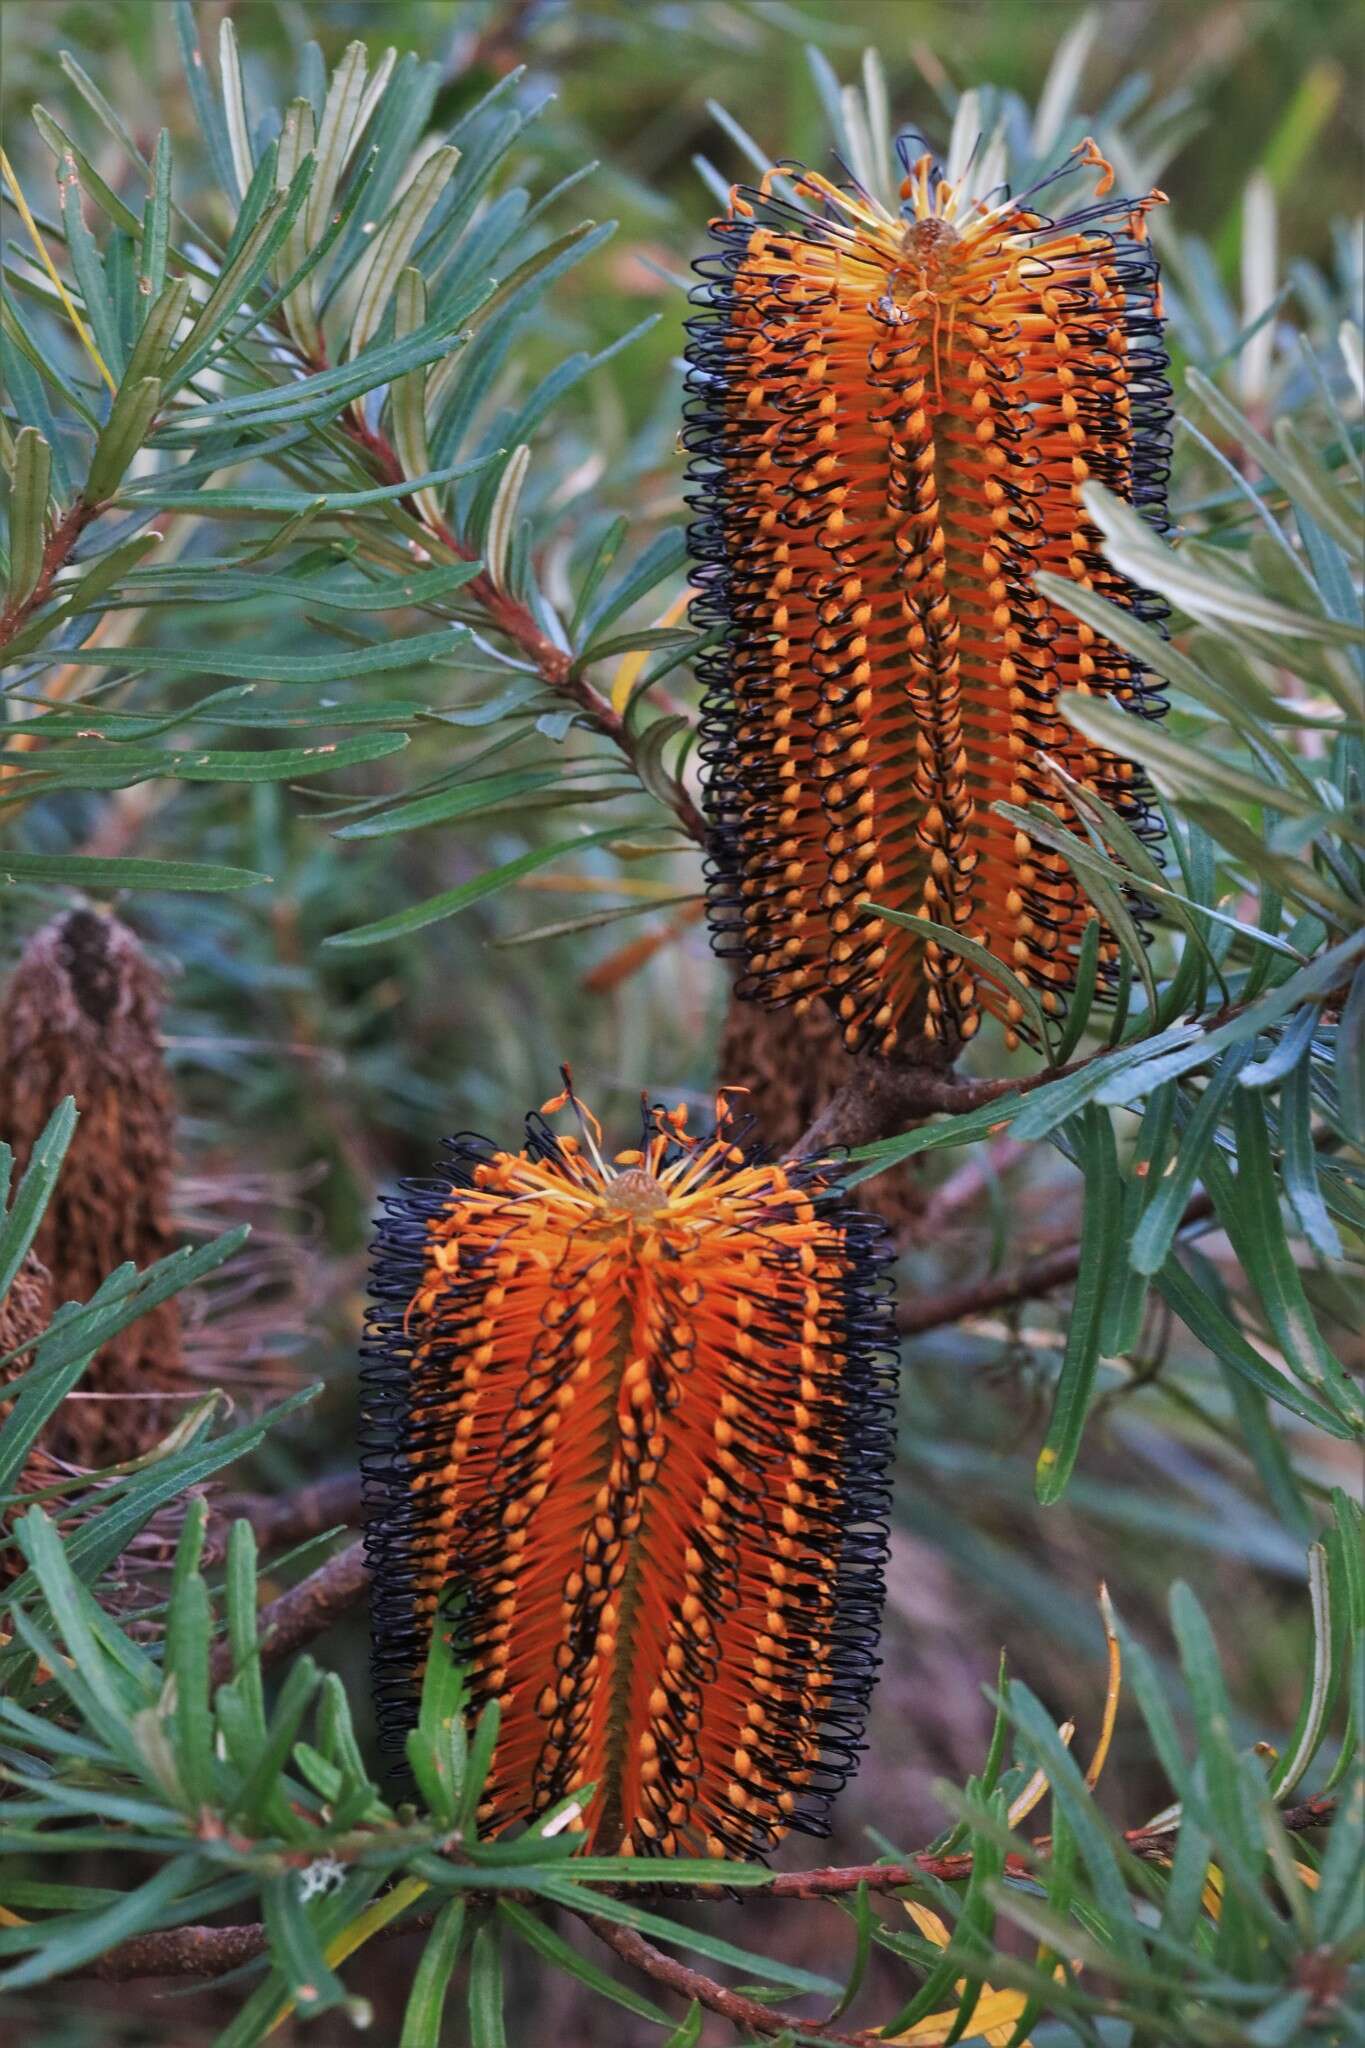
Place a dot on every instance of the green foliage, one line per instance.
(342, 561)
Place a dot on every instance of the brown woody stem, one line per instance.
(305, 1611)
(56, 553)
(289, 1518)
(557, 668)
(213, 1951)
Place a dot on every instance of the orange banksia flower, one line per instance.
(892, 419)
(629, 1427)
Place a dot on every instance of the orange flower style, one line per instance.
(629, 1425)
(892, 419)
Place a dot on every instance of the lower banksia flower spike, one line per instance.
(629, 1430)
(893, 417)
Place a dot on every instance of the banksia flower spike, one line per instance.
(629, 1426)
(893, 416)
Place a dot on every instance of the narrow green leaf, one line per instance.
(478, 1761)
(208, 112)
(1303, 1745)
(321, 395)
(486, 2028)
(1127, 1299)
(1184, 1901)
(437, 1748)
(227, 582)
(1091, 1831)
(646, 638)
(1136, 1077)
(591, 921)
(665, 556)
(85, 261)
(463, 800)
(1160, 1219)
(22, 1223)
(158, 332)
(1230, 1347)
(295, 501)
(1286, 1054)
(1082, 998)
(423, 2013)
(688, 2031)
(1266, 1448)
(1190, 582)
(1351, 1058)
(607, 550)
(1299, 1162)
(73, 165)
(30, 484)
(104, 573)
(1093, 1139)
(1249, 1210)
(240, 276)
(122, 436)
(27, 371)
(188, 1629)
(234, 106)
(116, 766)
(498, 309)
(294, 1944)
(389, 252)
(338, 131)
(977, 957)
(863, 1922)
(140, 1911)
(268, 667)
(1103, 883)
(260, 1799)
(121, 1297)
(1299, 484)
(298, 142)
(566, 1961)
(156, 222)
(88, 871)
(562, 1889)
(502, 520)
(408, 395)
(243, 1644)
(453, 901)
(89, 1671)
(1178, 768)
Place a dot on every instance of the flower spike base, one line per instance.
(629, 1428)
(892, 419)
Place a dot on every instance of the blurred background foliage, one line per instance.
(326, 1072)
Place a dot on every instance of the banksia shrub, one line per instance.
(629, 1426)
(892, 421)
(80, 1017)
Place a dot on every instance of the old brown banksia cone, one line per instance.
(81, 1016)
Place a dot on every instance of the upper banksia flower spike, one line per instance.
(893, 416)
(633, 1419)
